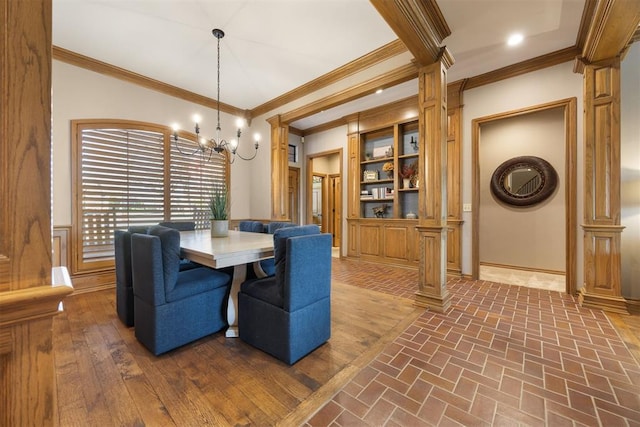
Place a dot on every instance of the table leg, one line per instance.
(239, 276)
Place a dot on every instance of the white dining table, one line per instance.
(236, 250)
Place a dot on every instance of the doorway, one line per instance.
(324, 193)
(566, 109)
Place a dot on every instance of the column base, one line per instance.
(602, 302)
(437, 303)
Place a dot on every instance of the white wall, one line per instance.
(83, 94)
(539, 87)
(630, 165)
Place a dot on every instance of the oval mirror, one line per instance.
(524, 181)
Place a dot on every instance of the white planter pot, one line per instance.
(219, 228)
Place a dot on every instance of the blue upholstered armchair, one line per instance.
(173, 307)
(289, 315)
(267, 267)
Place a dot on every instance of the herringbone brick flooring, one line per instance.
(502, 356)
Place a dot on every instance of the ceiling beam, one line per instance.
(377, 56)
(613, 26)
(392, 78)
(419, 24)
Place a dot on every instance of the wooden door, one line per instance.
(294, 192)
(335, 208)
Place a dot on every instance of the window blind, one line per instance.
(127, 176)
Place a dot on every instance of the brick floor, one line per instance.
(502, 356)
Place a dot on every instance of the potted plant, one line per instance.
(218, 206)
(408, 171)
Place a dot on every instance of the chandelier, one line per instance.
(206, 147)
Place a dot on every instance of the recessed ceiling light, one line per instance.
(379, 91)
(515, 39)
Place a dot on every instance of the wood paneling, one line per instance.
(602, 229)
(28, 297)
(279, 169)
(612, 27)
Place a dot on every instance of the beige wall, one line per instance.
(83, 94)
(532, 237)
(630, 176)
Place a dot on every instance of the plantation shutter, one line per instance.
(191, 179)
(130, 173)
(121, 183)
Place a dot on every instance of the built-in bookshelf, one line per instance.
(383, 155)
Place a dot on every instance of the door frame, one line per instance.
(569, 107)
(309, 183)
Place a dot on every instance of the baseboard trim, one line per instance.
(517, 267)
(93, 282)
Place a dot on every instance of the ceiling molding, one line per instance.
(418, 23)
(377, 56)
(533, 64)
(585, 22)
(392, 78)
(100, 67)
(613, 26)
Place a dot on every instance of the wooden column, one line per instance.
(602, 229)
(28, 301)
(279, 169)
(432, 228)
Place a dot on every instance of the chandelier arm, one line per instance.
(255, 153)
(184, 153)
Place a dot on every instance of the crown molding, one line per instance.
(377, 56)
(533, 64)
(106, 69)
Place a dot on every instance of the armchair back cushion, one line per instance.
(179, 225)
(251, 226)
(277, 225)
(280, 244)
(170, 244)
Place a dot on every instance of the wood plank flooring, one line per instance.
(105, 377)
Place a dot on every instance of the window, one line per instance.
(130, 173)
(293, 153)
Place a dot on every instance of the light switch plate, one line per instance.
(466, 207)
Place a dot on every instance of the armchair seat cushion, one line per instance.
(266, 289)
(196, 281)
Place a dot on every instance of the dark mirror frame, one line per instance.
(547, 186)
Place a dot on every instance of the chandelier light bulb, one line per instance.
(197, 118)
(240, 123)
(256, 137)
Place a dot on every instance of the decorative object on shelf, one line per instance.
(524, 181)
(206, 147)
(367, 156)
(388, 168)
(380, 211)
(407, 173)
(370, 175)
(389, 152)
(411, 215)
(219, 209)
(414, 143)
(381, 152)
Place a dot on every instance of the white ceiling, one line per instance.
(274, 46)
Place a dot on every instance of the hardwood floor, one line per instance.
(387, 363)
(105, 377)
